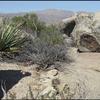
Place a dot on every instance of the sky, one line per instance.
(27, 6)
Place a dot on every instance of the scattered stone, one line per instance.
(53, 72)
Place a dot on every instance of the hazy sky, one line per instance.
(24, 6)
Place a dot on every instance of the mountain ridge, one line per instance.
(49, 16)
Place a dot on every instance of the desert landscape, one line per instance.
(50, 54)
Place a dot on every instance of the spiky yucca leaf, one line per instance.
(11, 37)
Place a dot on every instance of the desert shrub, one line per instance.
(46, 54)
(51, 35)
(48, 48)
(11, 38)
(51, 38)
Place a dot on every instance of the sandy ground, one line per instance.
(86, 69)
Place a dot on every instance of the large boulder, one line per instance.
(49, 85)
(86, 31)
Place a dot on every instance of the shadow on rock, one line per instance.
(9, 78)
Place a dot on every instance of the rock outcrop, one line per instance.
(85, 31)
(49, 85)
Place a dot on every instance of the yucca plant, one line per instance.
(11, 38)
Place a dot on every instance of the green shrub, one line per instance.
(48, 48)
(30, 23)
(11, 38)
(52, 38)
(51, 35)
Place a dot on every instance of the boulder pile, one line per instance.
(84, 31)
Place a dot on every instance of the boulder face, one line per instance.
(86, 32)
(89, 42)
(68, 25)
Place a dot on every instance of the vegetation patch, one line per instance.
(11, 38)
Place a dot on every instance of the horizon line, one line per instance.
(40, 10)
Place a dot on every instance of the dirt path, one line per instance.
(87, 69)
(89, 60)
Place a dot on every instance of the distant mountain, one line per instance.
(50, 16)
(53, 16)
